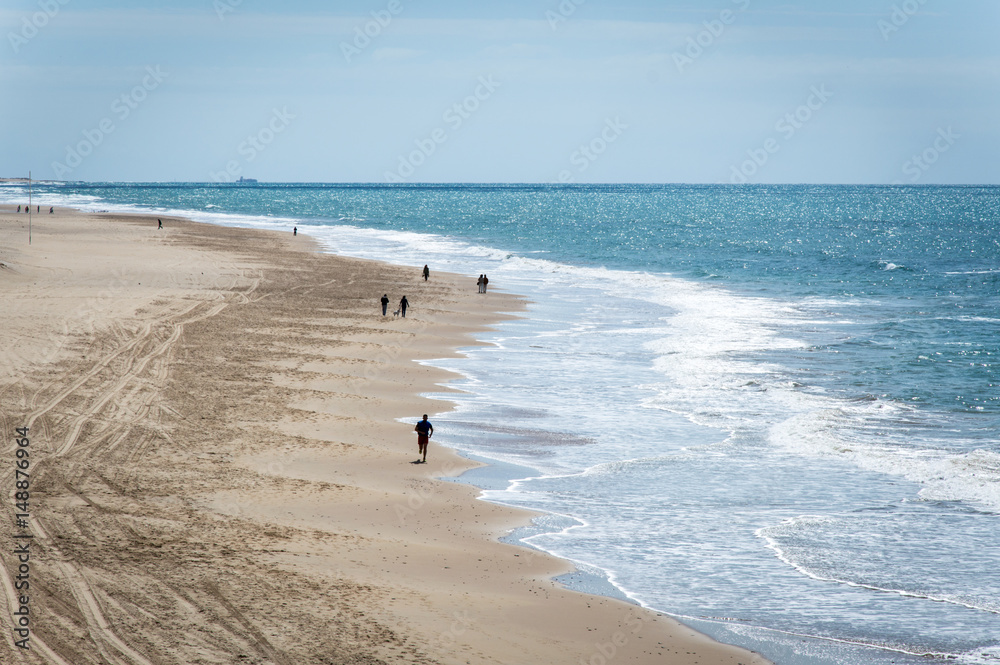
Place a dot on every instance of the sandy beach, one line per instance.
(218, 473)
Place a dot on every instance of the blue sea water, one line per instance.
(771, 412)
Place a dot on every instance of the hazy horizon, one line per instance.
(755, 91)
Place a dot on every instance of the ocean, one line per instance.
(771, 412)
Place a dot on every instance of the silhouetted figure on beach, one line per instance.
(385, 303)
(403, 304)
(19, 208)
(159, 223)
(51, 210)
(479, 283)
(486, 280)
(424, 431)
(38, 208)
(295, 230)
(427, 273)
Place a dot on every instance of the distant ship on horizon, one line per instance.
(247, 181)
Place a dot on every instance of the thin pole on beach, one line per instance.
(29, 207)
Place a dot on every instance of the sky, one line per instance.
(584, 91)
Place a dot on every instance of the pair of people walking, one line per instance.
(403, 304)
(482, 282)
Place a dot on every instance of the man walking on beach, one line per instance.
(426, 273)
(403, 304)
(424, 431)
(385, 303)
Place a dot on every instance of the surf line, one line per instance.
(791, 633)
(780, 554)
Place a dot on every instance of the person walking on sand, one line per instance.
(479, 282)
(424, 431)
(295, 230)
(486, 280)
(427, 273)
(159, 223)
(403, 304)
(385, 303)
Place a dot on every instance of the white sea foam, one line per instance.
(850, 550)
(943, 475)
(704, 350)
(973, 272)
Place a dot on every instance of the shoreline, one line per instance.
(300, 456)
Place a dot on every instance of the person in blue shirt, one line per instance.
(424, 431)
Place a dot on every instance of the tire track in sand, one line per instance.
(110, 645)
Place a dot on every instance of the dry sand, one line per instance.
(217, 474)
